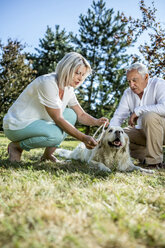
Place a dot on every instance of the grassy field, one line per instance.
(72, 206)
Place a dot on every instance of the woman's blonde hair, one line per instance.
(67, 66)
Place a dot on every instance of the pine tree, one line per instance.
(103, 40)
(15, 74)
(52, 48)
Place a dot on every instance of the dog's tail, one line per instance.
(64, 153)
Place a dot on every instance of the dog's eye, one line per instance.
(110, 131)
(122, 132)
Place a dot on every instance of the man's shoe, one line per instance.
(158, 166)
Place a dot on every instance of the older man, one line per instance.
(144, 103)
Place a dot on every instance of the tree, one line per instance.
(15, 74)
(52, 48)
(152, 51)
(103, 40)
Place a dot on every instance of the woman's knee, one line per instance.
(38, 142)
(70, 115)
(54, 142)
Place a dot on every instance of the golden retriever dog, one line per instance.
(111, 153)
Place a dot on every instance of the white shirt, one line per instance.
(30, 105)
(153, 100)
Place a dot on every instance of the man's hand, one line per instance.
(133, 119)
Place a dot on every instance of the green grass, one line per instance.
(69, 205)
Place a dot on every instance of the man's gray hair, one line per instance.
(141, 68)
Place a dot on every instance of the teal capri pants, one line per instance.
(41, 133)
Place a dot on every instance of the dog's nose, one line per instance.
(117, 134)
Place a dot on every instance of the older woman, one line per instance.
(39, 117)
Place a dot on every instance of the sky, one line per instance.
(27, 20)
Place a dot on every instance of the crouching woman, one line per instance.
(40, 117)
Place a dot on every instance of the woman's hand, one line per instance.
(101, 121)
(89, 142)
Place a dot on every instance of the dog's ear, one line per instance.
(99, 144)
(126, 147)
(101, 140)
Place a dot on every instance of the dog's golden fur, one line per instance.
(112, 152)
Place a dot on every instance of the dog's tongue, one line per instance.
(117, 143)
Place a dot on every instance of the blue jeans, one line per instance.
(41, 133)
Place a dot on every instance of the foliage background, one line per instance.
(104, 38)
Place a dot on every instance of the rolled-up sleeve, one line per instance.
(158, 106)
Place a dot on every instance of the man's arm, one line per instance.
(159, 106)
(122, 112)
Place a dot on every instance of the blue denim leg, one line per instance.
(41, 133)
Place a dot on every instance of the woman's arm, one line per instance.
(87, 119)
(56, 115)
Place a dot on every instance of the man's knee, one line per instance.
(149, 118)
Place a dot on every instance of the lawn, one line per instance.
(72, 206)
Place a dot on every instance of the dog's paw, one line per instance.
(102, 167)
(148, 171)
(107, 170)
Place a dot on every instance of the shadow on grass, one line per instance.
(70, 166)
